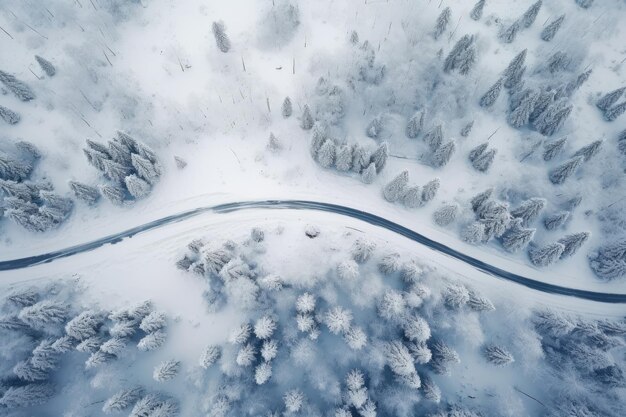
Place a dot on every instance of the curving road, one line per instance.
(326, 207)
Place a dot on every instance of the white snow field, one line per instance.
(115, 113)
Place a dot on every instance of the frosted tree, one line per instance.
(531, 14)
(11, 169)
(338, 320)
(551, 120)
(455, 296)
(327, 154)
(344, 158)
(495, 217)
(399, 358)
(166, 370)
(262, 373)
(294, 400)
(114, 346)
(46, 66)
(442, 22)
(369, 174)
(114, 194)
(9, 115)
(412, 197)
(19, 88)
(467, 129)
(44, 313)
(146, 405)
(443, 357)
(287, 108)
(26, 395)
(97, 359)
(510, 33)
(355, 337)
(529, 210)
(391, 306)
(609, 99)
(26, 371)
(84, 192)
(517, 238)
(585, 4)
(572, 243)
(84, 326)
(434, 137)
(443, 153)
(515, 69)
(221, 39)
(396, 188)
(91, 344)
(562, 172)
(153, 322)
(264, 327)
(152, 341)
(117, 172)
(615, 112)
(375, 127)
(210, 355)
(306, 121)
(477, 10)
(490, 97)
(483, 161)
(360, 159)
(379, 157)
(572, 86)
(240, 334)
(390, 263)
(446, 214)
(555, 220)
(348, 270)
(498, 355)
(462, 57)
(416, 329)
(23, 297)
(481, 198)
(479, 303)
(554, 148)
(362, 250)
(521, 115)
(269, 350)
(429, 191)
(274, 144)
(122, 400)
(414, 125)
(180, 162)
(431, 390)
(137, 187)
(546, 255)
(548, 33)
(145, 169)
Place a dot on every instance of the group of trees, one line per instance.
(609, 106)
(412, 196)
(609, 261)
(132, 167)
(559, 174)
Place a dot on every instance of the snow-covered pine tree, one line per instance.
(490, 97)
(262, 373)
(498, 356)
(396, 188)
(443, 153)
(166, 370)
(360, 159)
(274, 144)
(546, 255)
(114, 194)
(415, 329)
(434, 137)
(615, 112)
(9, 115)
(509, 34)
(442, 22)
(572, 243)
(551, 119)
(429, 191)
(609, 99)
(26, 371)
(529, 210)
(343, 161)
(146, 405)
(122, 400)
(327, 154)
(572, 86)
(559, 61)
(495, 217)
(23, 297)
(585, 4)
(17, 87)
(467, 129)
(44, 313)
(26, 395)
(483, 162)
(481, 198)
(362, 250)
(562, 172)
(477, 10)
(414, 125)
(369, 174)
(46, 66)
(137, 187)
(479, 303)
(287, 108)
(221, 39)
(431, 390)
(114, 346)
(412, 197)
(399, 358)
(306, 122)
(515, 69)
(554, 148)
(180, 162)
(84, 326)
(264, 327)
(531, 14)
(455, 296)
(517, 238)
(338, 320)
(462, 57)
(294, 400)
(375, 127)
(210, 355)
(152, 341)
(12, 169)
(555, 220)
(154, 321)
(521, 115)
(145, 169)
(446, 214)
(548, 33)
(85, 192)
(443, 357)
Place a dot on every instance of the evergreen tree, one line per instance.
(114, 194)
(17, 87)
(379, 157)
(546, 255)
(25, 371)
(84, 326)
(145, 169)
(615, 112)
(429, 191)
(430, 389)
(355, 337)
(529, 210)
(479, 303)
(443, 357)
(306, 122)
(545, 99)
(490, 97)
(344, 158)
(442, 22)
(210, 355)
(495, 217)
(362, 250)
(446, 214)
(515, 69)
(412, 198)
(43, 314)
(146, 405)
(434, 137)
(26, 395)
(338, 320)
(14, 170)
(609, 99)
(396, 188)
(483, 162)
(369, 174)
(477, 10)
(556, 220)
(589, 151)
(562, 172)
(531, 14)
(85, 192)
(264, 327)
(585, 4)
(413, 127)
(221, 39)
(552, 149)
(467, 129)
(559, 61)
(572, 243)
(327, 154)
(122, 400)
(137, 187)
(473, 233)
(443, 153)
(521, 115)
(63, 344)
(294, 400)
(153, 322)
(115, 171)
(509, 34)
(572, 86)
(462, 57)
(318, 138)
(152, 341)
(23, 297)
(180, 162)
(263, 373)
(9, 115)
(114, 346)
(374, 128)
(287, 108)
(481, 198)
(91, 344)
(389, 264)
(360, 159)
(399, 358)
(548, 33)
(166, 370)
(46, 66)
(551, 120)
(517, 238)
(498, 355)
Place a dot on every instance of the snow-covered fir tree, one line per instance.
(498, 355)
(414, 125)
(555, 220)
(154, 321)
(429, 190)
(515, 69)
(443, 153)
(589, 151)
(84, 326)
(609, 99)
(262, 373)
(462, 57)
(529, 210)
(114, 194)
(510, 33)
(573, 242)
(137, 187)
(122, 400)
(442, 22)
(166, 370)
(490, 97)
(84, 192)
(44, 313)
(517, 238)
(483, 162)
(360, 159)
(615, 112)
(396, 188)
(561, 173)
(19, 88)
(210, 356)
(467, 129)
(327, 154)
(9, 115)
(26, 395)
(294, 400)
(152, 341)
(481, 198)
(379, 157)
(306, 121)
(546, 255)
(446, 214)
(521, 115)
(264, 327)
(479, 303)
(495, 217)
(362, 250)
(287, 108)
(443, 357)
(338, 320)
(412, 197)
(369, 174)
(46, 66)
(530, 15)
(434, 137)
(375, 127)
(554, 148)
(548, 33)
(343, 161)
(477, 10)
(221, 39)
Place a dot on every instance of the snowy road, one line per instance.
(372, 219)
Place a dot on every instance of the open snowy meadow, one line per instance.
(326, 208)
